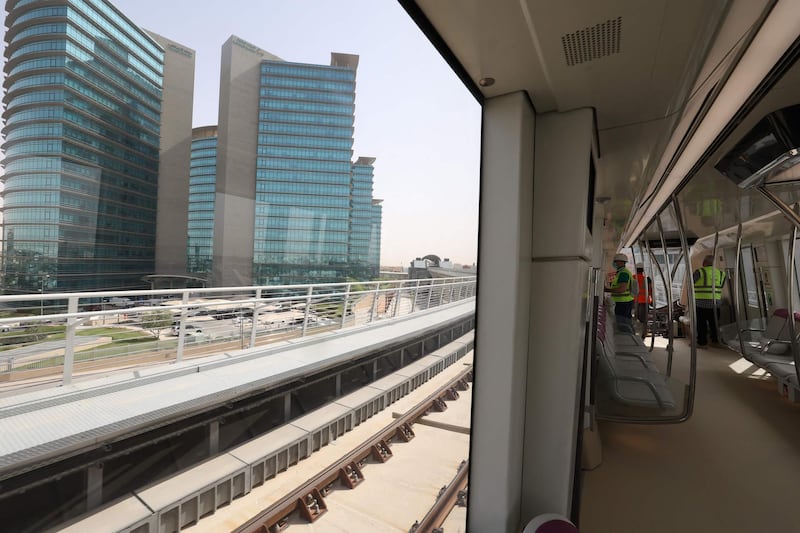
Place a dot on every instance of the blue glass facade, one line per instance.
(374, 257)
(202, 186)
(83, 104)
(361, 218)
(304, 173)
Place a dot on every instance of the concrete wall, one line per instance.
(175, 153)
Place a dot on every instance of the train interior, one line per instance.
(667, 131)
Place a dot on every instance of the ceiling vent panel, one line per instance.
(593, 42)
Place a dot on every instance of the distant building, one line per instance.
(291, 206)
(202, 191)
(108, 187)
(86, 92)
(431, 266)
(174, 157)
(374, 257)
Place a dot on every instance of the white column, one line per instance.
(287, 406)
(213, 438)
(560, 266)
(94, 486)
(502, 313)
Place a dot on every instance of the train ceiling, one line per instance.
(657, 73)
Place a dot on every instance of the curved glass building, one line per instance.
(83, 96)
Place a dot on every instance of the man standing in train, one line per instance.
(644, 298)
(708, 282)
(620, 292)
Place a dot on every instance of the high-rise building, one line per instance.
(291, 206)
(362, 215)
(202, 184)
(174, 155)
(374, 257)
(85, 94)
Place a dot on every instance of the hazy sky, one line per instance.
(412, 113)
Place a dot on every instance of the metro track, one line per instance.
(307, 502)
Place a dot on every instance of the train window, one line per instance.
(324, 164)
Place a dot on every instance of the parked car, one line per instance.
(188, 330)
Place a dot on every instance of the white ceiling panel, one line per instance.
(645, 67)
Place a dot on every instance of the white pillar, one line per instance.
(94, 486)
(213, 438)
(287, 406)
(502, 313)
(560, 267)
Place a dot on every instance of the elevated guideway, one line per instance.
(89, 431)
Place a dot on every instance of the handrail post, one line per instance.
(374, 302)
(345, 304)
(416, 295)
(397, 301)
(182, 326)
(254, 323)
(307, 310)
(692, 305)
(790, 289)
(670, 296)
(714, 285)
(69, 344)
(737, 287)
(430, 293)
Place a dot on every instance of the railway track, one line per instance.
(308, 502)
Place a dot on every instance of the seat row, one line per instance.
(769, 347)
(625, 368)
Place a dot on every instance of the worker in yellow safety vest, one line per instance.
(619, 288)
(708, 282)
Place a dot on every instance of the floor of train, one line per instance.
(732, 467)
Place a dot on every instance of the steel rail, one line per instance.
(445, 503)
(316, 487)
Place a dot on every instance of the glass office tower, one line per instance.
(291, 205)
(361, 219)
(202, 183)
(374, 257)
(82, 109)
(303, 172)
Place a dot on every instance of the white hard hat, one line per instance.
(640, 265)
(621, 257)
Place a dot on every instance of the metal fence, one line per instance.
(51, 334)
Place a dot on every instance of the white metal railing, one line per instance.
(49, 334)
